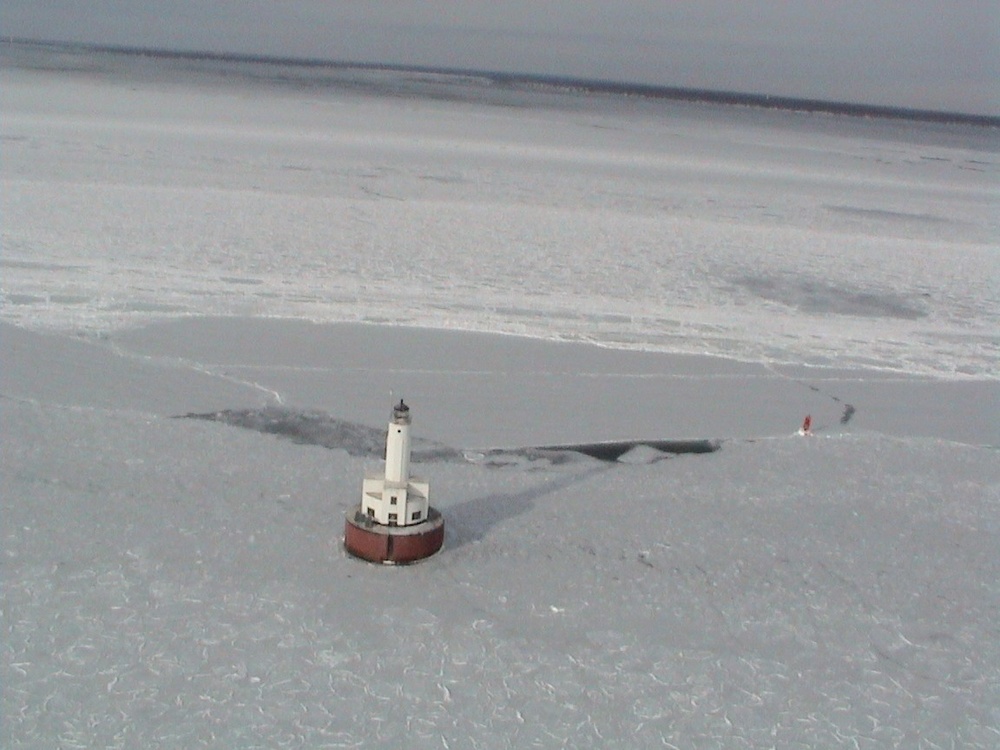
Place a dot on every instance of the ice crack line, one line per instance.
(847, 410)
(198, 367)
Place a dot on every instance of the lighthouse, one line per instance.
(394, 522)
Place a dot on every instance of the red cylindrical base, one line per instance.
(392, 545)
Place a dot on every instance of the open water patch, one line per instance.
(313, 427)
(887, 215)
(637, 451)
(821, 298)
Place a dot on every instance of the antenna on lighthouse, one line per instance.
(394, 522)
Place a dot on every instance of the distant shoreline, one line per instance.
(543, 83)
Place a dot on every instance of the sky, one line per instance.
(927, 54)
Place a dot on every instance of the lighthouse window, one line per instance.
(392, 500)
(371, 512)
(417, 515)
(392, 517)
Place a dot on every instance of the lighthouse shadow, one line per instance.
(472, 520)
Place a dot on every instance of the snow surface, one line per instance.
(762, 236)
(183, 244)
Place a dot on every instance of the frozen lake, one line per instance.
(133, 193)
(277, 255)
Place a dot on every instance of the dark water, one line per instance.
(512, 89)
(318, 428)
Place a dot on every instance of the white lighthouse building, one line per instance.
(396, 498)
(394, 523)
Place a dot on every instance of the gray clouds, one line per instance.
(923, 53)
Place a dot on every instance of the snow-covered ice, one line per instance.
(673, 227)
(177, 242)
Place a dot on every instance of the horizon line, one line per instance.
(554, 82)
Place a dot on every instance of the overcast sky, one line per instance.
(935, 54)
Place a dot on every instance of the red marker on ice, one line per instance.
(806, 426)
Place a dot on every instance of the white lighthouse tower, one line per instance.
(396, 499)
(394, 522)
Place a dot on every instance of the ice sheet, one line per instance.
(777, 237)
(177, 582)
(180, 582)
